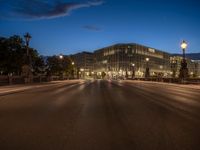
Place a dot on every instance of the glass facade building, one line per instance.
(131, 60)
(126, 59)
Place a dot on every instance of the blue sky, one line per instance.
(70, 26)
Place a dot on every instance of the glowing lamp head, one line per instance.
(147, 59)
(184, 45)
(61, 56)
(72, 63)
(133, 65)
(27, 37)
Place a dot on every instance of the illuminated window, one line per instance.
(151, 50)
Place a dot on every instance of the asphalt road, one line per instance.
(101, 115)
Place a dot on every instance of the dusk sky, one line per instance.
(70, 26)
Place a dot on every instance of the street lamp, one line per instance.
(27, 37)
(183, 46)
(147, 73)
(183, 70)
(61, 66)
(27, 68)
(73, 69)
(61, 56)
(133, 70)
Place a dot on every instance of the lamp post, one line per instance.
(27, 37)
(183, 70)
(73, 69)
(61, 57)
(27, 68)
(133, 70)
(183, 46)
(147, 73)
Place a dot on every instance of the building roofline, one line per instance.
(83, 52)
(132, 44)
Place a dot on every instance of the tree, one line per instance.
(39, 65)
(11, 52)
(13, 56)
(59, 66)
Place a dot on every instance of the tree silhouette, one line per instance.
(58, 66)
(13, 56)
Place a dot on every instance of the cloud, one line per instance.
(92, 28)
(37, 9)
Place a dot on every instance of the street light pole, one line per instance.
(73, 64)
(147, 73)
(183, 46)
(183, 70)
(27, 69)
(133, 70)
(27, 37)
(61, 57)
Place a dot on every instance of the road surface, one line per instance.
(100, 115)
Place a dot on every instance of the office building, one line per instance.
(83, 63)
(131, 59)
